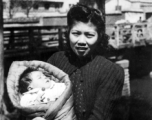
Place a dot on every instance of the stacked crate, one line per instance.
(126, 87)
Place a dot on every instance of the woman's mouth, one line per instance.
(81, 49)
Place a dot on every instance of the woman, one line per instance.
(97, 82)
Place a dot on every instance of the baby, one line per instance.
(38, 87)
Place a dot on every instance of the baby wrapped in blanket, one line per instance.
(37, 87)
(32, 90)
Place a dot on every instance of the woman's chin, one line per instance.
(81, 53)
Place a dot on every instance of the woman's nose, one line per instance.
(82, 41)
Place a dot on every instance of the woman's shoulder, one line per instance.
(56, 57)
(110, 70)
(58, 54)
(108, 65)
(104, 61)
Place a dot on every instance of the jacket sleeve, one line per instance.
(107, 95)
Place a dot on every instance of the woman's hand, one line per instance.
(37, 111)
(38, 118)
(34, 110)
(34, 115)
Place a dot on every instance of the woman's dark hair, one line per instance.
(82, 13)
(24, 80)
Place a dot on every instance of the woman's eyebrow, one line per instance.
(75, 30)
(90, 32)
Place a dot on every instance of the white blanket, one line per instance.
(42, 95)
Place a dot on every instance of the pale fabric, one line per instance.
(62, 108)
(38, 95)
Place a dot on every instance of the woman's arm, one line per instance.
(107, 95)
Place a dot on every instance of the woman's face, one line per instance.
(83, 38)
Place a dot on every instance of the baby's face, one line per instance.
(39, 80)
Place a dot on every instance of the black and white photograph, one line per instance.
(75, 59)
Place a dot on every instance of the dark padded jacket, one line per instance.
(97, 84)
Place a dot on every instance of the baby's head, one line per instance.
(31, 79)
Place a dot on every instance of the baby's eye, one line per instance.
(27, 80)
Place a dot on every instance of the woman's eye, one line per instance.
(90, 35)
(76, 33)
